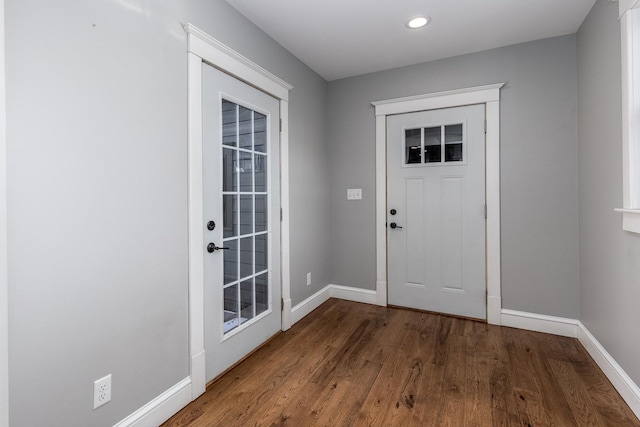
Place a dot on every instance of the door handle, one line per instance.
(211, 247)
(394, 225)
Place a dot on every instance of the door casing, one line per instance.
(488, 95)
(204, 48)
(4, 280)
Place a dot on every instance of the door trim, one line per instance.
(204, 48)
(4, 279)
(488, 95)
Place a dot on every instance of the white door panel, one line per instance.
(435, 184)
(241, 196)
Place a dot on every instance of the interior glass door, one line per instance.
(241, 204)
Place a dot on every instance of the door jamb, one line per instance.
(204, 48)
(488, 95)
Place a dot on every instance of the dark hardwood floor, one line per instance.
(350, 364)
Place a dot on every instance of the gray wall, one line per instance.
(609, 266)
(97, 196)
(538, 166)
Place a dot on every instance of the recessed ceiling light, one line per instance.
(418, 22)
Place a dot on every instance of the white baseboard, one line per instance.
(309, 304)
(161, 408)
(348, 293)
(540, 323)
(627, 388)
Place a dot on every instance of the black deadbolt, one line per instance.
(211, 225)
(393, 211)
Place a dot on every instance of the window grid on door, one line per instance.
(434, 145)
(245, 290)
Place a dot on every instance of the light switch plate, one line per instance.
(354, 193)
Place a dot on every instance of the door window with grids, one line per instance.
(434, 145)
(245, 201)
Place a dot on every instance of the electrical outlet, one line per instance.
(101, 391)
(308, 279)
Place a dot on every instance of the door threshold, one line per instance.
(455, 316)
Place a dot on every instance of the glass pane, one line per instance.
(261, 252)
(229, 175)
(246, 178)
(453, 133)
(245, 128)
(261, 173)
(261, 213)
(246, 300)
(230, 261)
(246, 257)
(229, 212)
(230, 308)
(412, 141)
(229, 123)
(453, 152)
(432, 145)
(262, 293)
(260, 132)
(246, 215)
(453, 143)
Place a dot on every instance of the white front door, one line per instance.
(436, 211)
(242, 221)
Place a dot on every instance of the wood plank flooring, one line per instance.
(350, 364)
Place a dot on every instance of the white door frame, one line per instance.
(204, 48)
(4, 284)
(488, 95)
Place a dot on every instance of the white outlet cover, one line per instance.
(101, 391)
(354, 194)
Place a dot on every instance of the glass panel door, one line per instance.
(241, 171)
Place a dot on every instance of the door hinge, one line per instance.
(485, 211)
(281, 304)
(281, 214)
(485, 126)
(280, 125)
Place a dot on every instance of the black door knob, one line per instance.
(394, 225)
(211, 247)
